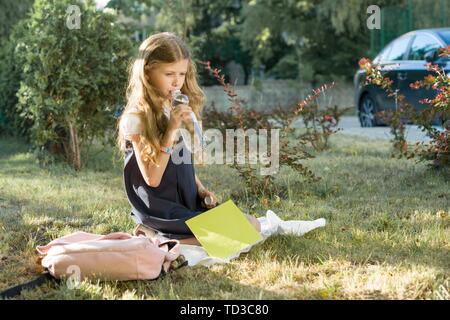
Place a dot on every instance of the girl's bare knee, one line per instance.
(191, 241)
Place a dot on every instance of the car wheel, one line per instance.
(367, 109)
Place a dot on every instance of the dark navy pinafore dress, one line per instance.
(166, 207)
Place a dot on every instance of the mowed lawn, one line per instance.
(387, 235)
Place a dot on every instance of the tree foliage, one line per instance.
(72, 78)
(10, 76)
(11, 13)
(211, 28)
(320, 39)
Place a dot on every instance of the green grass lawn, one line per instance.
(384, 238)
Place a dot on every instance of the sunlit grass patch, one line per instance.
(386, 237)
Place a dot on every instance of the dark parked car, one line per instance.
(404, 61)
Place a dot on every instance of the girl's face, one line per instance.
(168, 77)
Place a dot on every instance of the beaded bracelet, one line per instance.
(167, 150)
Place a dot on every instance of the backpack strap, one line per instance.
(174, 265)
(16, 290)
(178, 263)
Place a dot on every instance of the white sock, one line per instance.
(296, 227)
(267, 228)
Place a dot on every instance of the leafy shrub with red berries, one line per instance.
(436, 151)
(295, 144)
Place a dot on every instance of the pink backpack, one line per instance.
(115, 256)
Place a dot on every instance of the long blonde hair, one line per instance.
(164, 47)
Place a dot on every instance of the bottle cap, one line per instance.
(179, 98)
(208, 200)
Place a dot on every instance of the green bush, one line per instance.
(10, 76)
(72, 78)
(11, 27)
(436, 152)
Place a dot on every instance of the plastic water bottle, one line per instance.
(180, 98)
(207, 201)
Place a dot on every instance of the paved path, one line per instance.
(350, 125)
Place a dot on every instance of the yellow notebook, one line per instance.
(224, 230)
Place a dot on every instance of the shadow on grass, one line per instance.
(96, 159)
(18, 266)
(20, 238)
(10, 146)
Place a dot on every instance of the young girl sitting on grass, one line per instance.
(164, 194)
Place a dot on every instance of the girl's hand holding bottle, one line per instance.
(181, 113)
(209, 198)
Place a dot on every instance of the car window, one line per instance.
(421, 45)
(446, 36)
(399, 48)
(382, 56)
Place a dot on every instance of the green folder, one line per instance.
(223, 230)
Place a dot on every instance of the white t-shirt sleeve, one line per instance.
(130, 124)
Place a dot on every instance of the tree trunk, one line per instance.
(73, 150)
